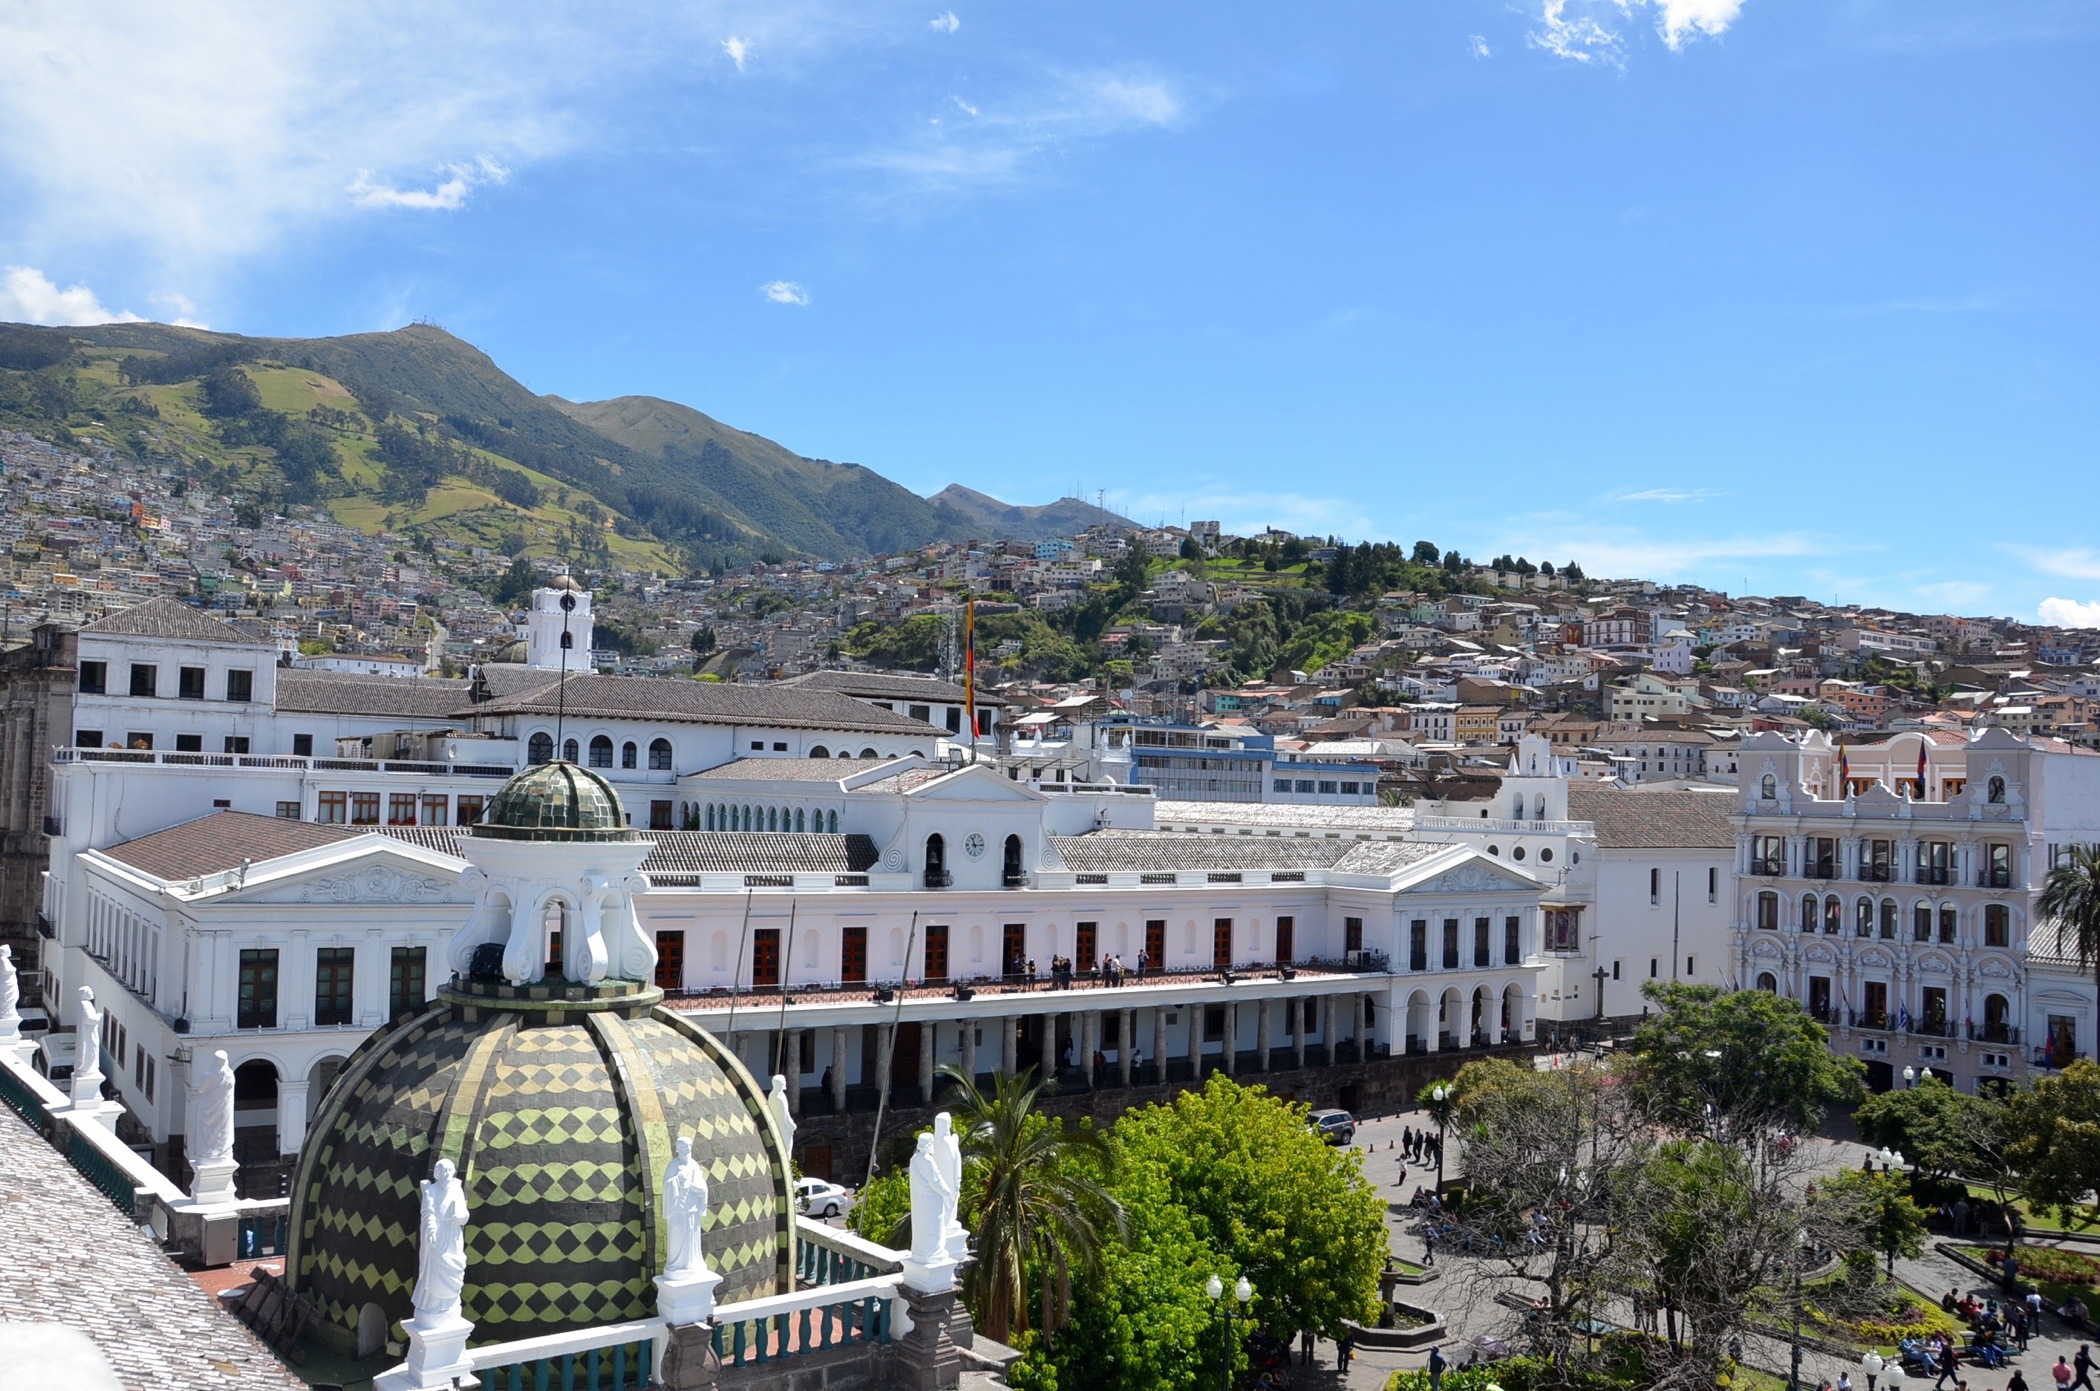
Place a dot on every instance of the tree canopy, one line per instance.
(1756, 1058)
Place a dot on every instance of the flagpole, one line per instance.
(970, 670)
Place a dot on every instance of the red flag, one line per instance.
(970, 664)
(1921, 767)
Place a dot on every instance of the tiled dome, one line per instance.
(560, 1105)
(555, 801)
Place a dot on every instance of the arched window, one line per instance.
(936, 861)
(1995, 791)
(845, 752)
(831, 822)
(1768, 911)
(1889, 912)
(601, 752)
(1950, 922)
(819, 751)
(1769, 788)
(539, 748)
(1995, 1009)
(1808, 912)
(1997, 925)
(1768, 982)
(1495, 850)
(659, 755)
(1011, 869)
(568, 749)
(1921, 922)
(1863, 918)
(629, 754)
(772, 818)
(1833, 915)
(868, 753)
(710, 816)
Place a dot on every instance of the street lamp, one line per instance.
(1871, 1363)
(1437, 1096)
(1241, 1292)
(1910, 1077)
(1793, 1381)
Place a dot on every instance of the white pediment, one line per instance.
(361, 872)
(981, 783)
(1477, 874)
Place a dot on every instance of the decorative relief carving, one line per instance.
(373, 884)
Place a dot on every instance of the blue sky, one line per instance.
(1792, 294)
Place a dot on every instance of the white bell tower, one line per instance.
(563, 607)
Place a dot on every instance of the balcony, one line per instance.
(938, 879)
(1876, 874)
(1820, 869)
(1932, 874)
(1994, 879)
(1771, 866)
(1933, 1028)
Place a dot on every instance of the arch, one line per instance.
(1997, 925)
(1890, 912)
(255, 1093)
(1994, 791)
(1768, 788)
(1809, 912)
(772, 818)
(630, 754)
(540, 747)
(868, 753)
(1921, 921)
(1950, 922)
(1863, 918)
(936, 860)
(601, 751)
(1449, 1025)
(569, 750)
(1495, 850)
(1539, 812)
(1996, 1012)
(798, 818)
(1768, 910)
(1010, 866)
(819, 751)
(659, 755)
(831, 822)
(1479, 1017)
(1768, 982)
(1419, 1019)
(710, 816)
(319, 1078)
(1512, 1029)
(845, 752)
(1833, 915)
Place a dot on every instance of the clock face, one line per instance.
(973, 845)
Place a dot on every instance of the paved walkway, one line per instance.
(68, 1257)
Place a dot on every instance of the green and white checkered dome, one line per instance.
(559, 1104)
(556, 801)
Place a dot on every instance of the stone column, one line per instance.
(1231, 1057)
(1009, 1045)
(838, 1069)
(1261, 1042)
(1049, 1057)
(1089, 1043)
(1159, 1042)
(291, 1115)
(1327, 1038)
(969, 1049)
(1126, 1044)
(791, 1064)
(929, 1044)
(885, 1052)
(1434, 1012)
(926, 1357)
(1297, 1008)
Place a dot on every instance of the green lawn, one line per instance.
(2054, 1291)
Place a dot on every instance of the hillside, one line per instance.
(988, 516)
(827, 509)
(416, 431)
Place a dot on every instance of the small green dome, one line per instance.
(555, 801)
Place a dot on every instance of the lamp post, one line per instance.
(1910, 1077)
(1241, 1293)
(1793, 1380)
(1437, 1096)
(1871, 1363)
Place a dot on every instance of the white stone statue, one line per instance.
(211, 1112)
(685, 1213)
(778, 1097)
(10, 997)
(87, 1050)
(947, 1149)
(441, 1259)
(931, 1196)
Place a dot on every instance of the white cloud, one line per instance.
(2069, 613)
(446, 197)
(784, 292)
(1477, 45)
(28, 296)
(1000, 141)
(1675, 558)
(737, 49)
(944, 23)
(2074, 563)
(964, 106)
(1670, 496)
(183, 310)
(1586, 31)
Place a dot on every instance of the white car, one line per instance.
(815, 1197)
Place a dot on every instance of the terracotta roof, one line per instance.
(882, 685)
(758, 852)
(707, 702)
(221, 841)
(303, 692)
(1101, 852)
(904, 781)
(1630, 820)
(789, 769)
(169, 619)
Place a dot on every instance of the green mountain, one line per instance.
(822, 508)
(416, 431)
(988, 516)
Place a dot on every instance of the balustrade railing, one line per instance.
(613, 1358)
(765, 1330)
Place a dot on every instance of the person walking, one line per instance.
(1344, 1347)
(2061, 1373)
(1436, 1369)
(2083, 1365)
(2016, 1382)
(1949, 1365)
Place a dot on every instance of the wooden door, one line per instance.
(670, 960)
(765, 957)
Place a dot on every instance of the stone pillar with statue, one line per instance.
(438, 1331)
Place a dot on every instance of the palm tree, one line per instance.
(1032, 1195)
(2071, 899)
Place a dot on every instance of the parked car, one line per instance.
(54, 1056)
(815, 1197)
(1336, 1127)
(35, 1023)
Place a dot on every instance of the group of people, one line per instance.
(1421, 1147)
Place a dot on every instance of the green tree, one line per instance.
(2055, 1130)
(1938, 1129)
(1880, 1211)
(882, 1209)
(1756, 1058)
(1035, 1202)
(2071, 900)
(1274, 1200)
(703, 640)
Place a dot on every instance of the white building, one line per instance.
(1895, 896)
